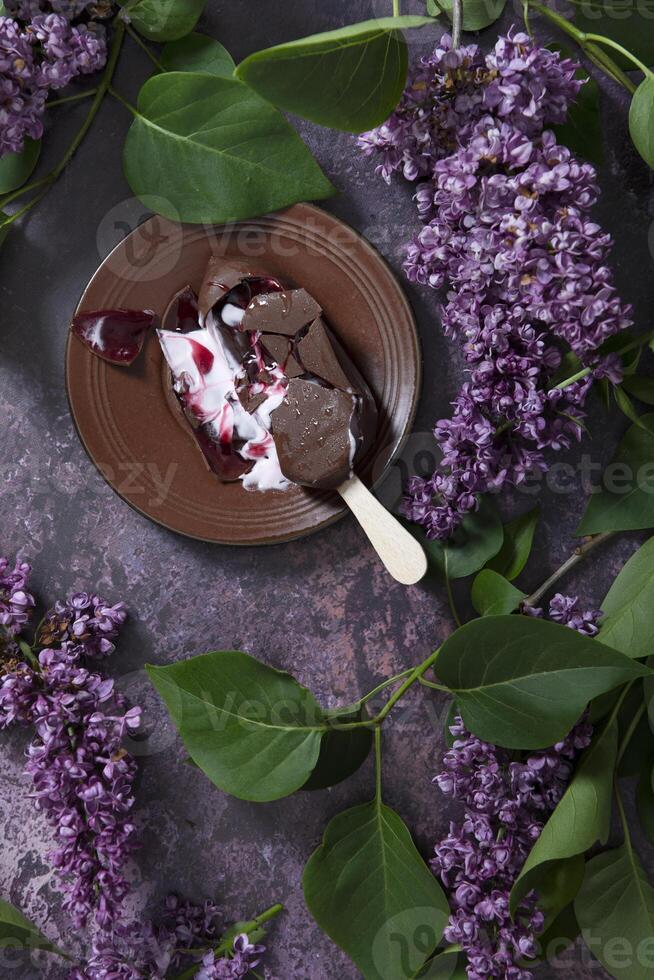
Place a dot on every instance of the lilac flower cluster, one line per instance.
(506, 227)
(81, 775)
(506, 804)
(37, 55)
(16, 602)
(82, 780)
(148, 952)
(565, 609)
(70, 9)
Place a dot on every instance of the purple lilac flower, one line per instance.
(36, 57)
(70, 9)
(22, 101)
(147, 952)
(16, 603)
(86, 621)
(507, 232)
(506, 804)
(81, 775)
(565, 609)
(245, 956)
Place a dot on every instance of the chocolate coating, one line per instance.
(286, 312)
(278, 348)
(249, 401)
(311, 429)
(221, 275)
(316, 353)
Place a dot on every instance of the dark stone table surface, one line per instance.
(322, 608)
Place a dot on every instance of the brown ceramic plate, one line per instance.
(137, 438)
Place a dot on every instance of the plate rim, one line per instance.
(344, 511)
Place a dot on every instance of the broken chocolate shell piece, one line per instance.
(116, 336)
(249, 401)
(221, 275)
(183, 315)
(275, 348)
(278, 349)
(221, 457)
(316, 353)
(312, 433)
(285, 312)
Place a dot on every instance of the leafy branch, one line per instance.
(593, 45)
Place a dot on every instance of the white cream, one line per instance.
(211, 396)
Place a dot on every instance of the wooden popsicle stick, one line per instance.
(402, 555)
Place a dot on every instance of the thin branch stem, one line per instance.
(415, 675)
(606, 64)
(378, 764)
(450, 599)
(432, 685)
(578, 554)
(610, 43)
(25, 189)
(385, 684)
(27, 207)
(589, 46)
(123, 102)
(144, 47)
(457, 23)
(88, 94)
(525, 15)
(584, 372)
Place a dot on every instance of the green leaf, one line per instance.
(341, 753)
(15, 168)
(641, 388)
(369, 889)
(477, 14)
(164, 20)
(198, 53)
(518, 540)
(18, 932)
(254, 731)
(624, 403)
(493, 595)
(641, 120)
(478, 539)
(582, 131)
(645, 801)
(627, 503)
(216, 151)
(351, 78)
(523, 683)
(582, 818)
(629, 22)
(639, 749)
(557, 884)
(559, 935)
(448, 965)
(628, 621)
(615, 907)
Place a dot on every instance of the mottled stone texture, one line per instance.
(342, 626)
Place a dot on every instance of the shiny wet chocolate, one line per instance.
(311, 429)
(284, 313)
